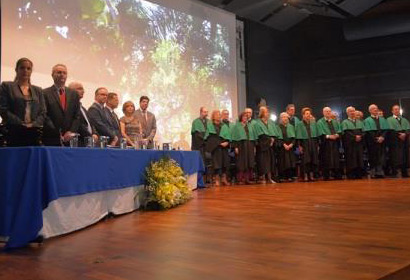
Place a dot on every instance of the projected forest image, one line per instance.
(180, 61)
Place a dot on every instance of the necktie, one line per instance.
(86, 119)
(144, 120)
(331, 127)
(63, 99)
(114, 116)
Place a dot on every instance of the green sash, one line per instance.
(261, 129)
(290, 131)
(323, 127)
(239, 133)
(198, 126)
(395, 125)
(224, 133)
(301, 132)
(370, 124)
(349, 125)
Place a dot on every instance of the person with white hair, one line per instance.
(376, 128)
(399, 142)
(353, 144)
(287, 142)
(329, 133)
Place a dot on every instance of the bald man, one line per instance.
(376, 128)
(353, 143)
(85, 129)
(329, 133)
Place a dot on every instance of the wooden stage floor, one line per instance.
(322, 230)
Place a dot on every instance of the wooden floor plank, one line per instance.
(322, 230)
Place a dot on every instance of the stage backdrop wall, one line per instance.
(268, 67)
(330, 71)
(180, 53)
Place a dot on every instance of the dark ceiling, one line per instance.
(283, 14)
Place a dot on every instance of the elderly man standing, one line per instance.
(353, 144)
(398, 142)
(376, 129)
(85, 128)
(63, 110)
(329, 132)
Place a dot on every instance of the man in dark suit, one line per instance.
(99, 117)
(113, 121)
(63, 110)
(85, 129)
(147, 121)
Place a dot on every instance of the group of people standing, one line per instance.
(306, 149)
(53, 116)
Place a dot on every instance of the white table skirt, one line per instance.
(72, 213)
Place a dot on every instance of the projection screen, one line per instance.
(180, 53)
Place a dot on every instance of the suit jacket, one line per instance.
(99, 119)
(83, 129)
(60, 121)
(150, 129)
(113, 123)
(13, 107)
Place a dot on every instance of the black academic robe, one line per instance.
(245, 159)
(219, 155)
(353, 150)
(264, 155)
(310, 155)
(376, 151)
(397, 149)
(286, 159)
(198, 141)
(329, 151)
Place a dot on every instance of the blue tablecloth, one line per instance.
(32, 177)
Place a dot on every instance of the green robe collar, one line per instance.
(290, 131)
(395, 125)
(348, 124)
(224, 133)
(370, 124)
(239, 133)
(198, 126)
(324, 129)
(301, 132)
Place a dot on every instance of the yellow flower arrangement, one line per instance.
(166, 184)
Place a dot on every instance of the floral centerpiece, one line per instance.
(166, 185)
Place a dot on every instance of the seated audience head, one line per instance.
(307, 114)
(24, 68)
(59, 74)
(128, 108)
(78, 87)
(284, 118)
(101, 95)
(203, 113)
(112, 100)
(216, 117)
(144, 101)
(373, 110)
(395, 109)
(290, 110)
(351, 112)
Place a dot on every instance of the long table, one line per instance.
(32, 177)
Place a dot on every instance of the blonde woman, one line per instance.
(129, 124)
